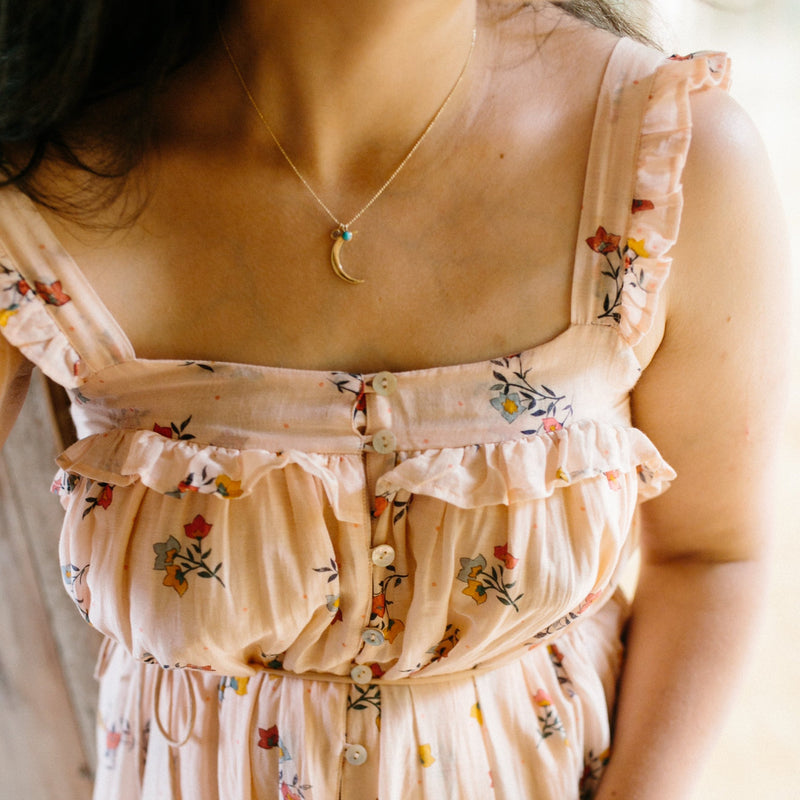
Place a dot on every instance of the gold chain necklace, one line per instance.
(342, 233)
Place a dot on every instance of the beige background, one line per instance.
(758, 754)
(46, 690)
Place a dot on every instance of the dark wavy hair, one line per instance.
(61, 61)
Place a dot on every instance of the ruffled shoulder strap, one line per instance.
(633, 200)
(47, 308)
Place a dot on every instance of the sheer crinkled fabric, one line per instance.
(329, 585)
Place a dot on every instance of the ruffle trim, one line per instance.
(658, 199)
(535, 468)
(28, 325)
(468, 477)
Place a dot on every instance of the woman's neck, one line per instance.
(348, 83)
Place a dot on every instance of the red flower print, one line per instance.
(52, 293)
(380, 506)
(198, 528)
(187, 487)
(113, 739)
(603, 242)
(551, 424)
(641, 205)
(503, 555)
(268, 737)
(23, 287)
(162, 430)
(377, 672)
(106, 496)
(379, 605)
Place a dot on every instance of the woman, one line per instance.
(340, 545)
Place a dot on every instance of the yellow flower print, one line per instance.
(5, 316)
(476, 712)
(425, 757)
(562, 475)
(637, 245)
(392, 631)
(475, 590)
(175, 579)
(228, 487)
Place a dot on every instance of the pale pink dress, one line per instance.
(326, 585)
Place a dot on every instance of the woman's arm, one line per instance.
(15, 374)
(712, 400)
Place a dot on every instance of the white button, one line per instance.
(372, 636)
(361, 674)
(355, 754)
(383, 555)
(384, 442)
(384, 383)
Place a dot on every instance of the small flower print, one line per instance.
(198, 528)
(509, 405)
(446, 643)
(238, 685)
(380, 617)
(518, 396)
(613, 478)
(175, 579)
(549, 722)
(222, 485)
(603, 241)
(425, 756)
(268, 737)
(102, 499)
(641, 205)
(476, 590)
(178, 563)
(541, 698)
(14, 291)
(380, 505)
(379, 605)
(354, 384)
(480, 582)
(557, 660)
(593, 767)
(119, 736)
(568, 618)
(637, 245)
(475, 713)
(228, 487)
(174, 431)
(501, 553)
(74, 578)
(52, 293)
(620, 264)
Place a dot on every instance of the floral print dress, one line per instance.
(329, 585)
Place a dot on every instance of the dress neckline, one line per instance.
(125, 352)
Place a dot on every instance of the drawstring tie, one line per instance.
(174, 741)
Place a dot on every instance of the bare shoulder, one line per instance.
(733, 231)
(713, 397)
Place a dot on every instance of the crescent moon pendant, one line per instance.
(336, 262)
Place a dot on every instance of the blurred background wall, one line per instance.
(758, 755)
